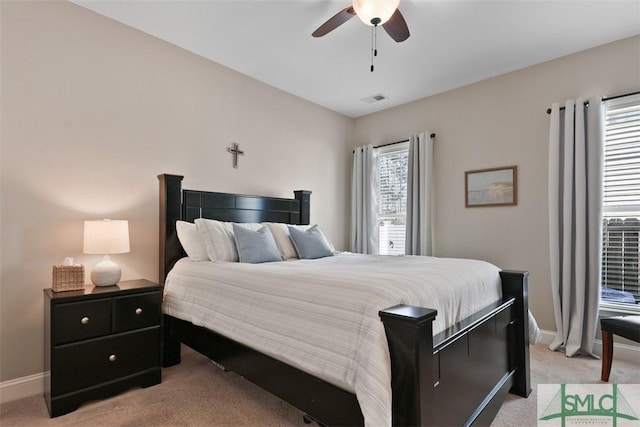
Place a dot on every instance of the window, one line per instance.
(392, 197)
(621, 204)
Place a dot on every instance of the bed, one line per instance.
(459, 376)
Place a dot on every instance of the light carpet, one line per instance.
(196, 393)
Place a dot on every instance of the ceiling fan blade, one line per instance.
(396, 27)
(338, 19)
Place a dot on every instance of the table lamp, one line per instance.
(105, 237)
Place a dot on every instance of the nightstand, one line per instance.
(100, 341)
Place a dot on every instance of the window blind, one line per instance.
(621, 200)
(392, 198)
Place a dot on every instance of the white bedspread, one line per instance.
(321, 315)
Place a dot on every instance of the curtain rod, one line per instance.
(603, 99)
(433, 135)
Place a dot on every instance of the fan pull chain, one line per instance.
(374, 44)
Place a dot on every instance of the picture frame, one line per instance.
(491, 187)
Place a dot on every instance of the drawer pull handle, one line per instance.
(138, 311)
(84, 320)
(112, 358)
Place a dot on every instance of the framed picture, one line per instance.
(491, 187)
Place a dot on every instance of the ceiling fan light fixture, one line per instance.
(375, 12)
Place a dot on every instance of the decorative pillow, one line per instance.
(310, 244)
(255, 246)
(280, 233)
(219, 238)
(191, 241)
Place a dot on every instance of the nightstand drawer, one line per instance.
(81, 365)
(80, 320)
(136, 311)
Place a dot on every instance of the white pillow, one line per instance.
(191, 241)
(280, 234)
(219, 238)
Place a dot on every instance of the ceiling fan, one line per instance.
(373, 13)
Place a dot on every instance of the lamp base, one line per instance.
(106, 273)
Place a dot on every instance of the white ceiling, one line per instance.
(453, 42)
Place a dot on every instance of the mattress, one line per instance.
(321, 315)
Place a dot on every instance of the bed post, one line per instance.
(409, 331)
(170, 212)
(170, 252)
(304, 197)
(516, 284)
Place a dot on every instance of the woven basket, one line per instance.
(67, 277)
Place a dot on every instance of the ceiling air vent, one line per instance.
(374, 98)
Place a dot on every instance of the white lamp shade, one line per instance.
(370, 9)
(106, 237)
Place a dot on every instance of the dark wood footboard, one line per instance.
(457, 377)
(460, 376)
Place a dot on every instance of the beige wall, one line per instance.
(500, 122)
(92, 111)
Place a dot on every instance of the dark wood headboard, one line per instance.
(188, 205)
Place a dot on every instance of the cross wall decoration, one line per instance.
(235, 151)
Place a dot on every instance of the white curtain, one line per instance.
(575, 221)
(364, 207)
(419, 237)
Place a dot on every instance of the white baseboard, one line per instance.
(32, 385)
(628, 353)
(18, 388)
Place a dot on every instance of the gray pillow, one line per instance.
(310, 244)
(255, 246)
